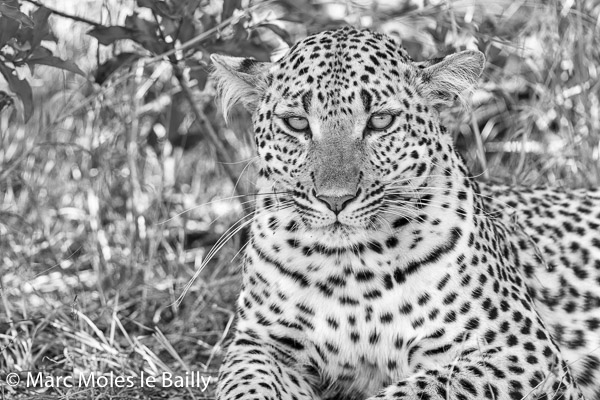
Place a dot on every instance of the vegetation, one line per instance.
(120, 184)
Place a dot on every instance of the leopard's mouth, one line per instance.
(339, 228)
(337, 225)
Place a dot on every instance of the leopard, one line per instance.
(558, 235)
(377, 266)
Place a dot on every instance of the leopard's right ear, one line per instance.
(239, 80)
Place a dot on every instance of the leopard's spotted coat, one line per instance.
(375, 267)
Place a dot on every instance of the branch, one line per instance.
(202, 119)
(65, 15)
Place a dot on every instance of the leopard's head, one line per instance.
(346, 122)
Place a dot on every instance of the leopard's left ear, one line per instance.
(453, 77)
(239, 80)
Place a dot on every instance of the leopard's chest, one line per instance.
(358, 318)
(361, 337)
(360, 348)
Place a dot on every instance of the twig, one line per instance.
(63, 14)
(206, 34)
(135, 190)
(222, 154)
(480, 148)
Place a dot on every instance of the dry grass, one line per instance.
(100, 232)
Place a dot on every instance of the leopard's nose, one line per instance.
(336, 203)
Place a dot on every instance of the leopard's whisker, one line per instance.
(225, 237)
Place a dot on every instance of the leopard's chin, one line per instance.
(340, 229)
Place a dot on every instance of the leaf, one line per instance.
(38, 52)
(107, 35)
(15, 14)
(31, 37)
(145, 33)
(229, 6)
(282, 33)
(8, 29)
(5, 100)
(152, 43)
(106, 69)
(159, 7)
(187, 30)
(56, 62)
(198, 71)
(110, 34)
(295, 18)
(176, 116)
(41, 30)
(170, 27)
(21, 88)
(140, 24)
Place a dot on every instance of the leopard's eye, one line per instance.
(298, 124)
(379, 122)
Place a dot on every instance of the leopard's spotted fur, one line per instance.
(375, 267)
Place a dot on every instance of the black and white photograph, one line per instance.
(300, 199)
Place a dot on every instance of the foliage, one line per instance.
(21, 39)
(117, 187)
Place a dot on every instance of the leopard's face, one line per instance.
(342, 127)
(346, 126)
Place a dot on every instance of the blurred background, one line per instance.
(122, 188)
